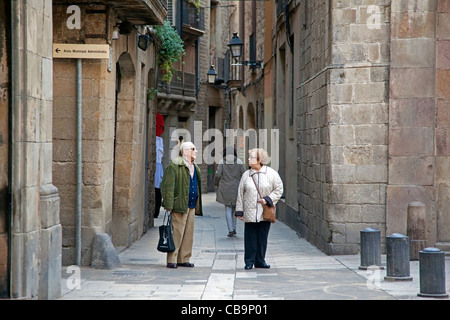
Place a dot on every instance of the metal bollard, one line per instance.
(397, 258)
(432, 273)
(370, 248)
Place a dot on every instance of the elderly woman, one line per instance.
(227, 177)
(249, 206)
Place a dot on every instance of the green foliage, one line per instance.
(171, 49)
(152, 93)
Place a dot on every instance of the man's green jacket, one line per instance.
(175, 187)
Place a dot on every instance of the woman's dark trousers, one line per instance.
(255, 242)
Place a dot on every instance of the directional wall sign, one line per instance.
(81, 51)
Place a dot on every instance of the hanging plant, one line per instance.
(170, 50)
(196, 3)
(152, 93)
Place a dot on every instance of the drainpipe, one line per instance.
(12, 42)
(79, 161)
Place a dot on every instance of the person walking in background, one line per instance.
(249, 206)
(227, 178)
(181, 193)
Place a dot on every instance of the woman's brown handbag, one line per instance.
(268, 212)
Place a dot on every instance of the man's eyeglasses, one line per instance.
(194, 149)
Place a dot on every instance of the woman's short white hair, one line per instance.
(261, 155)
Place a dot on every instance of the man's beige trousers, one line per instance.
(183, 236)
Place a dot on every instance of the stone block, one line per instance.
(442, 175)
(418, 112)
(443, 27)
(51, 263)
(371, 174)
(347, 53)
(343, 173)
(373, 134)
(64, 129)
(443, 54)
(25, 248)
(373, 214)
(443, 141)
(413, 24)
(414, 6)
(96, 173)
(49, 206)
(345, 16)
(443, 84)
(374, 92)
(358, 155)
(443, 6)
(411, 171)
(341, 135)
(355, 193)
(442, 114)
(359, 33)
(64, 150)
(411, 142)
(443, 214)
(93, 196)
(413, 53)
(412, 83)
(343, 213)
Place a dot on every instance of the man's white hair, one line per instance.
(186, 146)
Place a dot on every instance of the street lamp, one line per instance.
(211, 75)
(143, 42)
(236, 46)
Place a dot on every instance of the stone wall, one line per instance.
(115, 130)
(443, 121)
(36, 229)
(5, 94)
(419, 95)
(343, 108)
(312, 134)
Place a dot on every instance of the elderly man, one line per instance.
(181, 192)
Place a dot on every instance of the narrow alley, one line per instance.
(299, 271)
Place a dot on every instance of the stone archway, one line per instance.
(123, 149)
(251, 117)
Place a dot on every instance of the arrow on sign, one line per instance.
(57, 50)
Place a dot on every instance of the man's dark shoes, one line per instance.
(263, 266)
(172, 265)
(248, 266)
(186, 264)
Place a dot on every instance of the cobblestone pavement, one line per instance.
(299, 271)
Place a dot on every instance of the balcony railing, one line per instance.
(183, 84)
(193, 16)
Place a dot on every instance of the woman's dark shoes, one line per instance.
(248, 266)
(232, 233)
(263, 266)
(186, 264)
(172, 265)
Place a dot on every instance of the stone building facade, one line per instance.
(117, 124)
(370, 91)
(37, 135)
(30, 228)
